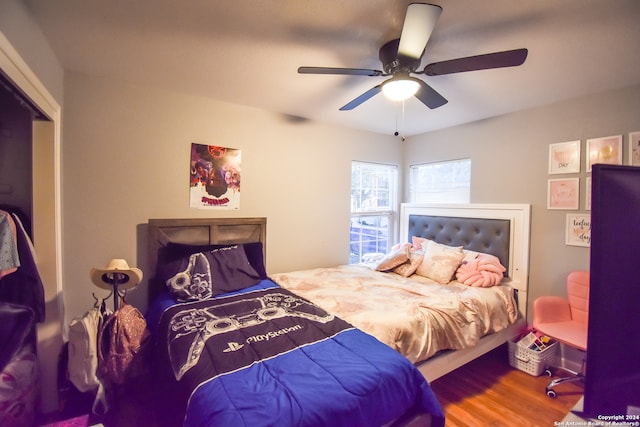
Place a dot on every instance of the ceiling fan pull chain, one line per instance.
(396, 132)
(402, 124)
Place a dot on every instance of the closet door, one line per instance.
(612, 384)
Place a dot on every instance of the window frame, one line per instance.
(443, 195)
(390, 212)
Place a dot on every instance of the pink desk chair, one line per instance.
(565, 320)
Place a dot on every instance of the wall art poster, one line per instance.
(587, 194)
(578, 230)
(214, 177)
(606, 150)
(563, 193)
(634, 148)
(564, 157)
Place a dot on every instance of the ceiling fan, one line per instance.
(401, 57)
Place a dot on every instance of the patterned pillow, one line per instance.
(409, 267)
(440, 261)
(205, 274)
(193, 281)
(178, 251)
(394, 258)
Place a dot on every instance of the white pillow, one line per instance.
(469, 255)
(440, 261)
(426, 243)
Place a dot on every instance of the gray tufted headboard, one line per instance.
(498, 229)
(477, 234)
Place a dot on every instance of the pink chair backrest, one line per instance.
(578, 295)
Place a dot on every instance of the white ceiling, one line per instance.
(248, 51)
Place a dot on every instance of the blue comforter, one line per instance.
(265, 357)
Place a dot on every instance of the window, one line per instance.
(374, 189)
(441, 182)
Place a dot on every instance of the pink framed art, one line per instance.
(563, 193)
(634, 148)
(564, 157)
(606, 150)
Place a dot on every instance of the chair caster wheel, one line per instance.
(547, 372)
(552, 394)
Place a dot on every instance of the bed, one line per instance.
(437, 324)
(245, 351)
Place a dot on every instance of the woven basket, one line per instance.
(531, 361)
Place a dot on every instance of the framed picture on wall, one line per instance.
(587, 194)
(578, 230)
(563, 193)
(634, 148)
(564, 157)
(606, 150)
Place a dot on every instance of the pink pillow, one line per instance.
(394, 258)
(410, 267)
(440, 261)
(484, 271)
(417, 243)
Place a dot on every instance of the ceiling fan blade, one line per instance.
(429, 97)
(359, 100)
(508, 58)
(419, 23)
(346, 71)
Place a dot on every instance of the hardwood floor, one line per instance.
(484, 393)
(489, 392)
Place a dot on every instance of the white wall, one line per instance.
(126, 159)
(19, 27)
(509, 163)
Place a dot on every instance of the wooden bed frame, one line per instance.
(200, 232)
(516, 219)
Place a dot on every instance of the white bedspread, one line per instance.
(415, 315)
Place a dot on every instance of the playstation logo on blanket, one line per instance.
(233, 346)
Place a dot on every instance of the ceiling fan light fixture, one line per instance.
(401, 57)
(400, 88)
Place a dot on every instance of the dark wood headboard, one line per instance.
(200, 232)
